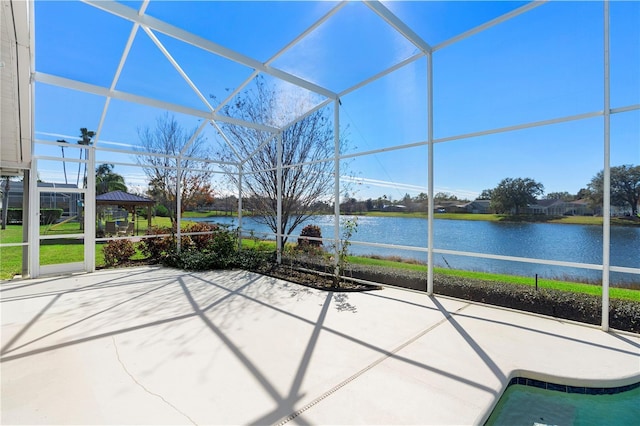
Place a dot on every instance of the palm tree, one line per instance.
(107, 180)
(86, 136)
(64, 165)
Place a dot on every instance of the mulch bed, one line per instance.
(316, 279)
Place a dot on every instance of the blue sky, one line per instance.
(544, 64)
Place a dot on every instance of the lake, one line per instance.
(571, 243)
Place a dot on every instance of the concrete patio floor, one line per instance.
(161, 346)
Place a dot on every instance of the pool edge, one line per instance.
(537, 379)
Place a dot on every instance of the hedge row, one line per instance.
(623, 314)
(47, 216)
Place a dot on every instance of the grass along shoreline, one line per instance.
(485, 217)
(491, 217)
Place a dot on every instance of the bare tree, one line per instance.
(306, 156)
(169, 139)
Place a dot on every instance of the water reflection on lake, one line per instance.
(572, 243)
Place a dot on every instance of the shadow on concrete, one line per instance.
(234, 292)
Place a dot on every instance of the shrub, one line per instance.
(217, 250)
(161, 211)
(49, 216)
(157, 247)
(14, 215)
(118, 251)
(255, 260)
(190, 259)
(223, 242)
(309, 231)
(200, 242)
(249, 259)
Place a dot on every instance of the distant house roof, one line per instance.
(18, 186)
(547, 202)
(122, 198)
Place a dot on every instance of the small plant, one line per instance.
(349, 227)
(118, 251)
(290, 253)
(253, 237)
(312, 231)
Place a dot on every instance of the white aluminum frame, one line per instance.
(210, 114)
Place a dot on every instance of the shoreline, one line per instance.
(484, 217)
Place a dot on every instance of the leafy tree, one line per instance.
(583, 193)
(625, 187)
(485, 194)
(107, 180)
(445, 196)
(170, 139)
(349, 205)
(422, 197)
(201, 197)
(564, 196)
(368, 204)
(515, 194)
(309, 140)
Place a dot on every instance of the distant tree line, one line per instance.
(513, 195)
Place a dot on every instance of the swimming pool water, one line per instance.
(527, 405)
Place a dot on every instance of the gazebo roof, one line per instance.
(122, 198)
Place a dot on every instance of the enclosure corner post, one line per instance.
(90, 214)
(34, 221)
(279, 195)
(26, 221)
(336, 185)
(178, 202)
(430, 174)
(606, 202)
(239, 206)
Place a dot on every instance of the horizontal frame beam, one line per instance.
(129, 97)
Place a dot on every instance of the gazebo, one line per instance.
(126, 200)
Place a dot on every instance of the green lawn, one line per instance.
(58, 250)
